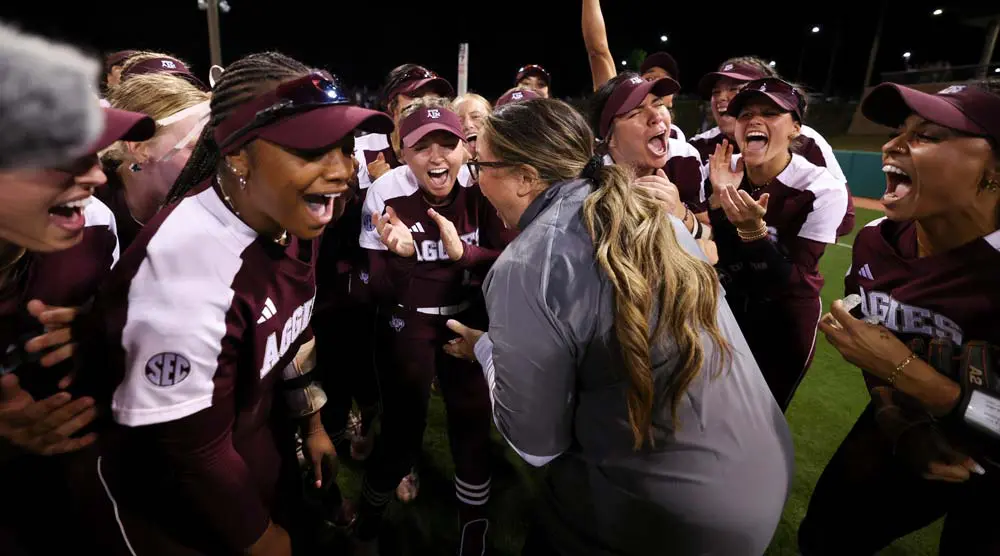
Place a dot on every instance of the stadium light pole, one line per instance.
(874, 52)
(214, 36)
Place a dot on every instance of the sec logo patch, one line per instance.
(167, 369)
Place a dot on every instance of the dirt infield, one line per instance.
(866, 203)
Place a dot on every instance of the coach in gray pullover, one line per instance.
(712, 477)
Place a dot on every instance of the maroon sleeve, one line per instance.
(685, 173)
(474, 255)
(211, 475)
(390, 274)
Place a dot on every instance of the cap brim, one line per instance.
(419, 133)
(890, 104)
(533, 72)
(121, 125)
(661, 87)
(437, 84)
(322, 127)
(742, 98)
(707, 83)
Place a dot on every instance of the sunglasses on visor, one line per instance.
(305, 93)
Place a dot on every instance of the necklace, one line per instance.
(768, 182)
(282, 238)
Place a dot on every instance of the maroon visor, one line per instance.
(171, 66)
(780, 92)
(417, 125)
(121, 125)
(737, 72)
(964, 108)
(307, 113)
(629, 94)
(517, 95)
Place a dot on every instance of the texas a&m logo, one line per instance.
(637, 81)
(952, 90)
(168, 64)
(293, 328)
(429, 250)
(517, 95)
(433, 113)
(908, 319)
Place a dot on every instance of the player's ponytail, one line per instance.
(635, 246)
(243, 80)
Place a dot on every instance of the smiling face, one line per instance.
(932, 170)
(536, 84)
(42, 209)
(436, 160)
(764, 132)
(473, 113)
(300, 191)
(722, 93)
(639, 137)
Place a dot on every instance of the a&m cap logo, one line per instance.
(763, 88)
(952, 90)
(636, 80)
(168, 64)
(433, 113)
(517, 96)
(728, 67)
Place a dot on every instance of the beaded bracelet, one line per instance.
(747, 237)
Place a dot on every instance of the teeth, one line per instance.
(756, 135)
(890, 169)
(77, 204)
(437, 172)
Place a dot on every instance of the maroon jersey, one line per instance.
(112, 194)
(951, 295)
(193, 329)
(810, 145)
(773, 284)
(68, 278)
(431, 279)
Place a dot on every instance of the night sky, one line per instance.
(362, 46)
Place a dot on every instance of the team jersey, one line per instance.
(342, 268)
(684, 170)
(68, 278)
(811, 145)
(193, 329)
(676, 133)
(949, 295)
(431, 278)
(366, 149)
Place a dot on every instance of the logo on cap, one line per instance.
(168, 64)
(636, 80)
(763, 88)
(433, 113)
(517, 96)
(952, 90)
(728, 67)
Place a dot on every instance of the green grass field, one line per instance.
(829, 399)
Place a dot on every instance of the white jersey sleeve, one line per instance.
(98, 214)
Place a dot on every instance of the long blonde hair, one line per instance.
(158, 95)
(635, 246)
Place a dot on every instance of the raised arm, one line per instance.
(595, 37)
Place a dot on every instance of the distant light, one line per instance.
(815, 29)
(772, 63)
(997, 70)
(663, 38)
(624, 63)
(938, 11)
(906, 55)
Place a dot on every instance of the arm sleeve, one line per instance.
(530, 368)
(390, 275)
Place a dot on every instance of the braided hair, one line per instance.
(241, 81)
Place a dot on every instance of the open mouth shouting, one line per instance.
(321, 205)
(657, 144)
(898, 183)
(437, 178)
(69, 214)
(756, 141)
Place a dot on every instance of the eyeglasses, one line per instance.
(307, 92)
(475, 165)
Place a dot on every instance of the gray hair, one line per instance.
(49, 110)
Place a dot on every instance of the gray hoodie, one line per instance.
(716, 485)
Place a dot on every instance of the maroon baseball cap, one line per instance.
(533, 69)
(417, 125)
(661, 60)
(517, 95)
(172, 66)
(964, 108)
(780, 92)
(736, 71)
(630, 93)
(421, 78)
(122, 125)
(306, 113)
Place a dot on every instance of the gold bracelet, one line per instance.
(759, 233)
(900, 367)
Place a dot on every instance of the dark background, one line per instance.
(362, 40)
